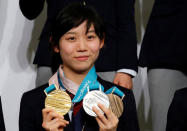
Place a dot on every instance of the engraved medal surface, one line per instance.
(93, 98)
(59, 101)
(116, 104)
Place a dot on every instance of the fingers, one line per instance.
(116, 82)
(51, 115)
(45, 111)
(123, 80)
(100, 123)
(100, 115)
(109, 114)
(52, 121)
(54, 125)
(108, 121)
(107, 111)
(58, 123)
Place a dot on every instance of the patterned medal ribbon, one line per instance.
(89, 81)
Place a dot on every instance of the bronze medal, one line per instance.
(116, 104)
(59, 101)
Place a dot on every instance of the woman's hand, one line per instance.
(107, 122)
(52, 121)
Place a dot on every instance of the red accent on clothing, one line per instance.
(76, 106)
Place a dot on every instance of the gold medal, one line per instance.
(59, 101)
(116, 104)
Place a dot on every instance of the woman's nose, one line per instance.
(82, 45)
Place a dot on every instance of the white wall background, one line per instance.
(18, 42)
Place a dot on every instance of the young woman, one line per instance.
(77, 36)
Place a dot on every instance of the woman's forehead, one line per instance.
(82, 28)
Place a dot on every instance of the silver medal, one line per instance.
(93, 98)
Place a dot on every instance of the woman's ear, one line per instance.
(56, 48)
(102, 43)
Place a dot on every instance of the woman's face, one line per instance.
(78, 49)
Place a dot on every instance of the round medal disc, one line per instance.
(116, 104)
(59, 101)
(92, 98)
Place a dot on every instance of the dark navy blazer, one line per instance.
(32, 104)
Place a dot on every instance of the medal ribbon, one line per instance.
(90, 81)
(50, 89)
(116, 91)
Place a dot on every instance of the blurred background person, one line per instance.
(177, 114)
(2, 124)
(163, 51)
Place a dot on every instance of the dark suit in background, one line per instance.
(164, 51)
(120, 50)
(2, 124)
(177, 114)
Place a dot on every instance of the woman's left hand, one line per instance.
(107, 122)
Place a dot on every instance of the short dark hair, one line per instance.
(72, 16)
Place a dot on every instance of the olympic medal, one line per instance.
(59, 101)
(93, 98)
(116, 104)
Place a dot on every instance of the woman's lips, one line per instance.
(82, 58)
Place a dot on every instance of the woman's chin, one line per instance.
(83, 68)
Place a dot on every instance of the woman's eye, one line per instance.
(91, 37)
(71, 38)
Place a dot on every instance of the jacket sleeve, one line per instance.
(2, 124)
(26, 117)
(176, 119)
(128, 121)
(126, 35)
(31, 8)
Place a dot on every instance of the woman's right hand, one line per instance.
(107, 122)
(52, 121)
